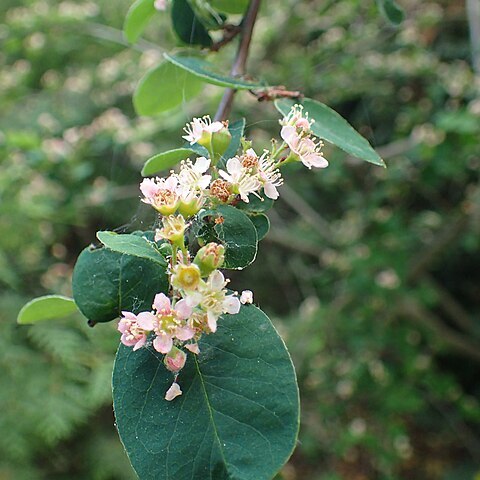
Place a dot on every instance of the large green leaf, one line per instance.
(229, 6)
(207, 72)
(391, 11)
(46, 308)
(166, 160)
(188, 26)
(135, 245)
(236, 129)
(163, 88)
(138, 16)
(237, 417)
(333, 128)
(106, 282)
(236, 232)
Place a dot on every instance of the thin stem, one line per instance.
(240, 62)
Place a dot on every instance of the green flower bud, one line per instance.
(209, 258)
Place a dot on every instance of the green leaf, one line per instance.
(188, 26)
(46, 308)
(134, 245)
(138, 16)
(229, 6)
(236, 232)
(163, 88)
(207, 72)
(106, 282)
(238, 415)
(391, 11)
(236, 129)
(261, 224)
(256, 205)
(166, 160)
(333, 128)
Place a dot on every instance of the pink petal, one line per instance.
(184, 333)
(163, 343)
(288, 133)
(146, 320)
(231, 304)
(183, 309)
(149, 188)
(193, 347)
(128, 342)
(122, 326)
(129, 315)
(173, 392)
(140, 343)
(314, 160)
(161, 302)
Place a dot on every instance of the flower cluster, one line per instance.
(198, 294)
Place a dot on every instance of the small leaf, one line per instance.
(230, 6)
(261, 224)
(333, 128)
(236, 232)
(163, 88)
(391, 11)
(187, 25)
(165, 160)
(106, 282)
(132, 245)
(207, 72)
(237, 417)
(138, 16)
(236, 129)
(46, 308)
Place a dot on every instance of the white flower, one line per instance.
(242, 181)
(296, 119)
(269, 176)
(191, 176)
(200, 128)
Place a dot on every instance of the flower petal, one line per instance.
(140, 343)
(173, 392)
(183, 309)
(271, 191)
(212, 321)
(163, 343)
(231, 304)
(161, 302)
(146, 320)
(193, 347)
(184, 333)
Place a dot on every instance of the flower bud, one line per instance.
(175, 360)
(221, 140)
(190, 206)
(186, 277)
(209, 258)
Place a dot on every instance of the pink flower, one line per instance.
(175, 360)
(167, 323)
(161, 193)
(246, 297)
(132, 333)
(173, 392)
(304, 147)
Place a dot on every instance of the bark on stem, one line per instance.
(238, 67)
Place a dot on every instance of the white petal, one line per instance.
(201, 165)
(270, 191)
(173, 392)
(231, 304)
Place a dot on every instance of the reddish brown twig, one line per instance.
(272, 93)
(229, 33)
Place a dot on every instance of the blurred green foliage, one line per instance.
(383, 263)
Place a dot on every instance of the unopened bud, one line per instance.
(175, 360)
(221, 140)
(209, 258)
(186, 277)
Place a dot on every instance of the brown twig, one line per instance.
(272, 93)
(240, 62)
(229, 33)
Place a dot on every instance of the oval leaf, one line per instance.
(134, 245)
(333, 128)
(207, 72)
(138, 16)
(46, 308)
(236, 232)
(163, 88)
(166, 160)
(230, 6)
(237, 417)
(106, 282)
(188, 26)
(391, 11)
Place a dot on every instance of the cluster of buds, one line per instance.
(198, 296)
